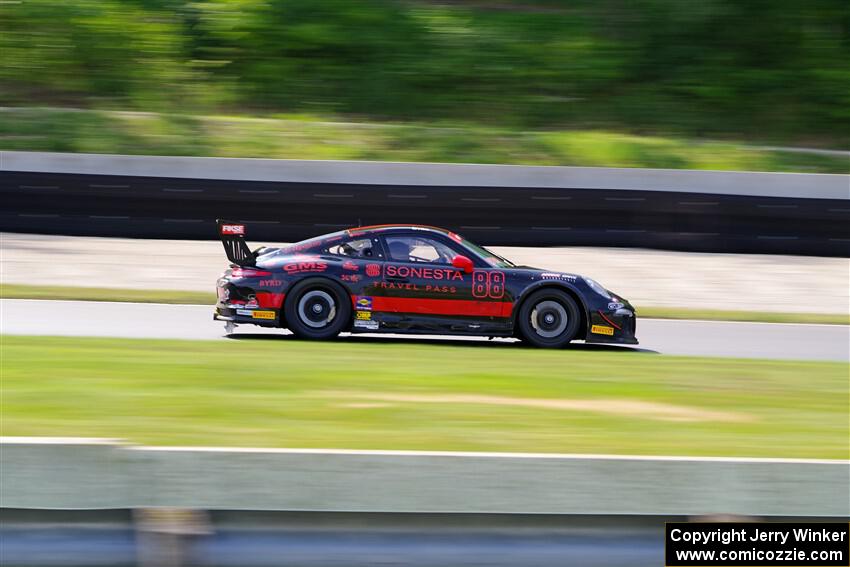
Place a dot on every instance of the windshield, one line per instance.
(489, 257)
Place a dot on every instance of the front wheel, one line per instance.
(317, 308)
(549, 318)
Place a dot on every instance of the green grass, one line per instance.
(752, 316)
(364, 395)
(17, 291)
(326, 137)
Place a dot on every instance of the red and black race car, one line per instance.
(411, 279)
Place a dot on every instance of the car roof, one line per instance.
(389, 227)
(323, 239)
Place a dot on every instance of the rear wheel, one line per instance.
(549, 318)
(317, 308)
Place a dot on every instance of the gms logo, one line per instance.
(364, 304)
(301, 267)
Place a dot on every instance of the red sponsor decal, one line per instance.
(302, 247)
(349, 265)
(442, 306)
(271, 283)
(233, 229)
(353, 278)
(248, 273)
(306, 266)
(373, 270)
(272, 300)
(610, 322)
(488, 284)
(427, 288)
(424, 273)
(440, 288)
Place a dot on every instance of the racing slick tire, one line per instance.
(317, 308)
(549, 318)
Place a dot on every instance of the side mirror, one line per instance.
(463, 263)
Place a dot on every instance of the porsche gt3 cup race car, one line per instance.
(411, 279)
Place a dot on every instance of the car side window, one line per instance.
(419, 249)
(360, 248)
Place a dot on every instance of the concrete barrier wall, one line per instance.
(88, 474)
(789, 185)
(288, 200)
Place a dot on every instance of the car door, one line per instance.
(421, 282)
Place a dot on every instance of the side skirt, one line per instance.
(437, 325)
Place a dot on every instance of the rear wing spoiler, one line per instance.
(232, 236)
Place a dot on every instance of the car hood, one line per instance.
(543, 271)
(570, 278)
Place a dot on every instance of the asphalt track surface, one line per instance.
(146, 320)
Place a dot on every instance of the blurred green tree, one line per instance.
(763, 70)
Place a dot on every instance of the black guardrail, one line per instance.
(186, 208)
(42, 538)
(222, 538)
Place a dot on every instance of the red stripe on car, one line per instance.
(442, 306)
(271, 300)
(610, 322)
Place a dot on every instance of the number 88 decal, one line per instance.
(488, 284)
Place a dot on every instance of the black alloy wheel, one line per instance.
(317, 308)
(549, 318)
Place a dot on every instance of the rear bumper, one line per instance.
(263, 317)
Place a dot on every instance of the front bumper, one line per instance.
(612, 327)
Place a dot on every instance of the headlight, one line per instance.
(597, 288)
